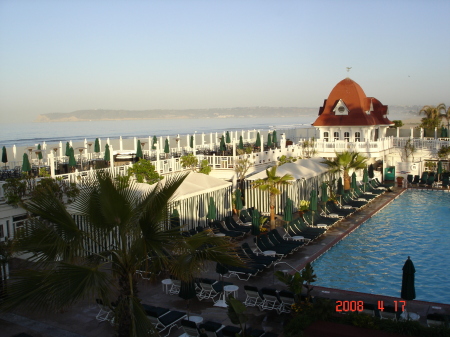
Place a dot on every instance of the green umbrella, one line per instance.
(288, 210)
(313, 203)
(154, 141)
(255, 222)
(222, 146)
(227, 138)
(39, 153)
(365, 178)
(274, 137)
(408, 291)
(443, 132)
(139, 153)
(353, 184)
(175, 219)
(211, 210)
(238, 196)
(370, 171)
(97, 145)
(324, 194)
(72, 161)
(26, 167)
(187, 292)
(67, 153)
(191, 142)
(340, 187)
(4, 155)
(439, 169)
(107, 153)
(166, 146)
(241, 143)
(258, 140)
(269, 140)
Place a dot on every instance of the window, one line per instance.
(19, 222)
(336, 136)
(357, 136)
(341, 109)
(325, 136)
(347, 136)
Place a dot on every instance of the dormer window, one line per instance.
(340, 108)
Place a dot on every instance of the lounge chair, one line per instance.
(423, 179)
(190, 328)
(416, 180)
(435, 320)
(264, 244)
(287, 298)
(259, 259)
(390, 313)
(334, 208)
(230, 331)
(167, 321)
(409, 179)
(243, 273)
(430, 181)
(232, 225)
(211, 329)
(207, 291)
(254, 297)
(175, 287)
(275, 238)
(106, 313)
(271, 301)
(245, 217)
(218, 226)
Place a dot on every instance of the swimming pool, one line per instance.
(370, 260)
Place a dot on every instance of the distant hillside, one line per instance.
(100, 114)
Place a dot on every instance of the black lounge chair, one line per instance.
(416, 180)
(275, 238)
(217, 225)
(271, 301)
(245, 217)
(334, 208)
(254, 297)
(190, 328)
(166, 321)
(259, 259)
(409, 179)
(211, 329)
(264, 244)
(232, 225)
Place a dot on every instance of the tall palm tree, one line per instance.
(121, 234)
(272, 184)
(444, 113)
(432, 116)
(344, 162)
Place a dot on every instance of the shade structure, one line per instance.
(227, 138)
(166, 146)
(222, 146)
(313, 203)
(324, 192)
(72, 161)
(187, 292)
(408, 291)
(67, 153)
(211, 210)
(191, 142)
(139, 153)
(269, 140)
(4, 155)
(39, 154)
(26, 167)
(107, 153)
(238, 197)
(353, 183)
(175, 219)
(241, 143)
(97, 145)
(255, 222)
(274, 137)
(288, 210)
(154, 141)
(370, 171)
(258, 140)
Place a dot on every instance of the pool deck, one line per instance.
(80, 320)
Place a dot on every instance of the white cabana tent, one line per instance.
(308, 174)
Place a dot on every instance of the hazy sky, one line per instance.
(61, 56)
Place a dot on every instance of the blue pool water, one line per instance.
(370, 260)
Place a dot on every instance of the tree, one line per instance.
(444, 152)
(272, 184)
(122, 234)
(409, 149)
(145, 172)
(241, 167)
(444, 113)
(397, 124)
(204, 167)
(308, 148)
(344, 162)
(432, 117)
(189, 161)
(284, 160)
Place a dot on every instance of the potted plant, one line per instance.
(303, 207)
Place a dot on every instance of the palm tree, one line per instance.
(344, 162)
(121, 233)
(432, 116)
(272, 184)
(444, 113)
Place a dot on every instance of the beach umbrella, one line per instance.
(154, 141)
(241, 143)
(26, 167)
(443, 132)
(258, 140)
(72, 161)
(139, 153)
(269, 140)
(408, 292)
(187, 292)
(324, 194)
(255, 223)
(4, 155)
(97, 145)
(67, 153)
(175, 218)
(238, 196)
(107, 153)
(365, 178)
(211, 210)
(222, 146)
(439, 169)
(313, 203)
(191, 142)
(288, 210)
(370, 171)
(340, 189)
(274, 137)
(227, 138)
(39, 153)
(353, 183)
(166, 146)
